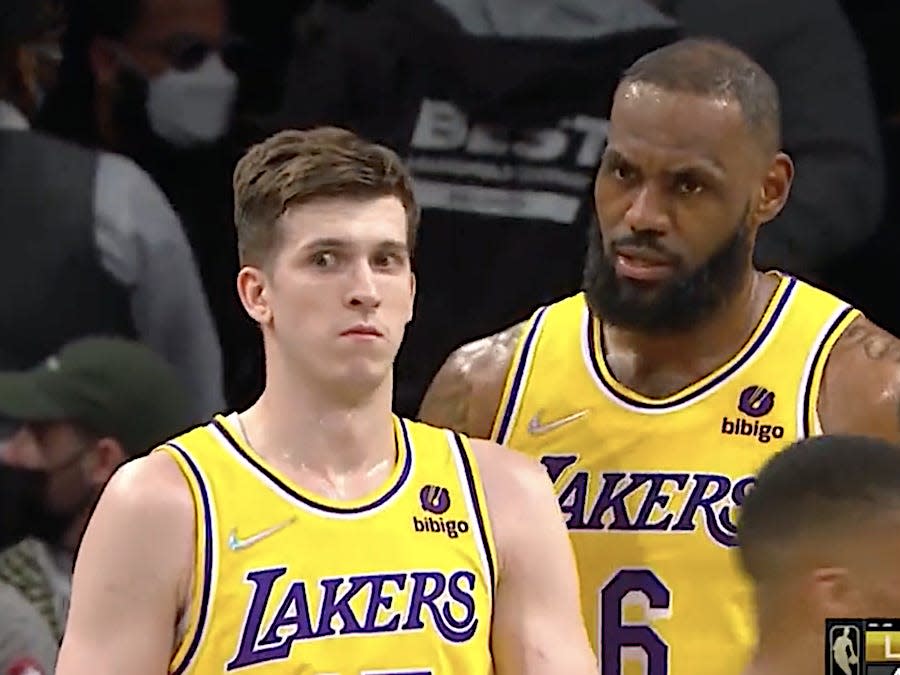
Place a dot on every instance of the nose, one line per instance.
(363, 291)
(20, 448)
(648, 211)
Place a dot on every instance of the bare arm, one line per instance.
(466, 392)
(860, 392)
(131, 574)
(538, 627)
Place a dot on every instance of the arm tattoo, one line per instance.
(876, 344)
(471, 374)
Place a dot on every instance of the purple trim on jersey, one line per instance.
(807, 394)
(207, 559)
(521, 368)
(711, 384)
(479, 512)
(312, 503)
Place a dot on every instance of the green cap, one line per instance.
(111, 386)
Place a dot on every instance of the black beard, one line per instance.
(674, 306)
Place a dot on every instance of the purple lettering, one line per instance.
(572, 500)
(556, 464)
(378, 600)
(698, 499)
(247, 654)
(339, 606)
(609, 499)
(450, 628)
(655, 498)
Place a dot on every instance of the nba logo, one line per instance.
(843, 647)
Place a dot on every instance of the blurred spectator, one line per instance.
(92, 246)
(27, 647)
(98, 403)
(502, 118)
(155, 80)
(829, 122)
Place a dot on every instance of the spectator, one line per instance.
(154, 80)
(92, 246)
(27, 646)
(82, 413)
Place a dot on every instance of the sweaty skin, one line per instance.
(860, 391)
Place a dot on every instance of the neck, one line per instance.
(788, 644)
(322, 431)
(107, 132)
(692, 354)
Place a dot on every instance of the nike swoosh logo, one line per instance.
(236, 543)
(536, 428)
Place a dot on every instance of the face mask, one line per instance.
(23, 506)
(190, 107)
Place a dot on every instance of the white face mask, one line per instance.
(190, 107)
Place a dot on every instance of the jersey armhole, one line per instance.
(516, 379)
(195, 618)
(811, 385)
(469, 477)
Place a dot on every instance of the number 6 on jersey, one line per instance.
(622, 641)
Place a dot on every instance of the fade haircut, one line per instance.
(715, 69)
(294, 167)
(816, 487)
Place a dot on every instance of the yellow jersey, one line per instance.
(650, 488)
(285, 581)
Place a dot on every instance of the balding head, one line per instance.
(716, 70)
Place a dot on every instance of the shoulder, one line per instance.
(518, 493)
(860, 389)
(150, 491)
(152, 487)
(466, 391)
(129, 197)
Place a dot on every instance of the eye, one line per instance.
(387, 260)
(622, 173)
(688, 185)
(324, 259)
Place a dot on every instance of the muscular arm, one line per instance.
(538, 627)
(860, 391)
(131, 574)
(466, 392)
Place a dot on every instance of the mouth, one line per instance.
(642, 264)
(364, 331)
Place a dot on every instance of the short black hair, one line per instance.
(816, 486)
(710, 67)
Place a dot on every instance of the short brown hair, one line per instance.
(293, 167)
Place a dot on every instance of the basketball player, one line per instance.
(315, 532)
(652, 397)
(818, 537)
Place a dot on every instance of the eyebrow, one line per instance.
(334, 242)
(705, 164)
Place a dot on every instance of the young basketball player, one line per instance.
(652, 397)
(818, 536)
(316, 532)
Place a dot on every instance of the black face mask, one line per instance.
(24, 511)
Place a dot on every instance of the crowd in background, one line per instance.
(121, 122)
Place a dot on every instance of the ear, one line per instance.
(775, 188)
(833, 593)
(108, 455)
(252, 286)
(412, 296)
(104, 60)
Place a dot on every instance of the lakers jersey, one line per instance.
(651, 488)
(289, 582)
